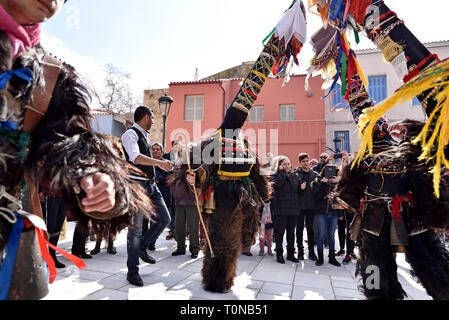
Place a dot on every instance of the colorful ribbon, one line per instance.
(23, 73)
(8, 125)
(8, 263)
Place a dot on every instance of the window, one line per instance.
(193, 108)
(256, 114)
(287, 112)
(341, 141)
(377, 88)
(338, 99)
(416, 102)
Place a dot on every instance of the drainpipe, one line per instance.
(224, 99)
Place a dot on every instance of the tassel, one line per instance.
(438, 119)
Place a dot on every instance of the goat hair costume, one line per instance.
(390, 183)
(61, 146)
(231, 184)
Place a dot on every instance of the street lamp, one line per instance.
(164, 108)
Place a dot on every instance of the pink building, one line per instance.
(284, 120)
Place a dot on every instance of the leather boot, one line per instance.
(332, 259)
(280, 255)
(54, 241)
(300, 252)
(312, 255)
(291, 255)
(320, 260)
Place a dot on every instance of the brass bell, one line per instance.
(28, 280)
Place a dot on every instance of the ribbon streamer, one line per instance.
(8, 263)
(23, 73)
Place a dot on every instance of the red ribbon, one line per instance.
(43, 243)
(207, 195)
(397, 203)
(415, 72)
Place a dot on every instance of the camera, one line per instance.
(330, 171)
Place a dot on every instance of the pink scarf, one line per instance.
(21, 37)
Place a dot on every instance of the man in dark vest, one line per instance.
(137, 149)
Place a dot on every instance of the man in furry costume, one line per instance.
(83, 168)
(227, 172)
(391, 185)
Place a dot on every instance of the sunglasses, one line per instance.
(323, 157)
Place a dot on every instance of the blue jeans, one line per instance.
(326, 223)
(135, 242)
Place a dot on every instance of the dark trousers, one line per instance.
(54, 218)
(309, 217)
(79, 241)
(136, 242)
(349, 216)
(282, 224)
(190, 215)
(342, 232)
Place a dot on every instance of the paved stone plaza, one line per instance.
(179, 278)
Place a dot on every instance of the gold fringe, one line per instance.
(439, 138)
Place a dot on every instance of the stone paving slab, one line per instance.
(179, 277)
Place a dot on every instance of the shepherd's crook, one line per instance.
(197, 204)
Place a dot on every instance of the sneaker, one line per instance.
(261, 252)
(247, 253)
(270, 253)
(340, 253)
(169, 236)
(347, 259)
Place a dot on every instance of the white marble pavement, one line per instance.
(179, 278)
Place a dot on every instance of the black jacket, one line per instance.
(285, 194)
(311, 198)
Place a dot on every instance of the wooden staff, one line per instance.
(197, 204)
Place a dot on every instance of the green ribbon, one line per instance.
(269, 35)
(356, 34)
(18, 139)
(344, 71)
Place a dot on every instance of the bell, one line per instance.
(28, 280)
(355, 228)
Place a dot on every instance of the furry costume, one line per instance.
(398, 209)
(232, 187)
(233, 222)
(62, 147)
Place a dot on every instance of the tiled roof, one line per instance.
(220, 80)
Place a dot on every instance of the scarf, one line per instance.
(21, 37)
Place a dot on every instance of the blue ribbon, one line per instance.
(8, 125)
(24, 73)
(337, 76)
(8, 263)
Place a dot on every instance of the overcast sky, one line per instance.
(163, 41)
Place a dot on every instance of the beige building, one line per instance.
(383, 82)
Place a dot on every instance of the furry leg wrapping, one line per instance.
(376, 255)
(430, 263)
(225, 233)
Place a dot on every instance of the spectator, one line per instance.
(185, 212)
(313, 163)
(323, 161)
(326, 217)
(348, 217)
(79, 242)
(161, 181)
(284, 206)
(307, 206)
(54, 214)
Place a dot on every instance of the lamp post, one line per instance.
(164, 107)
